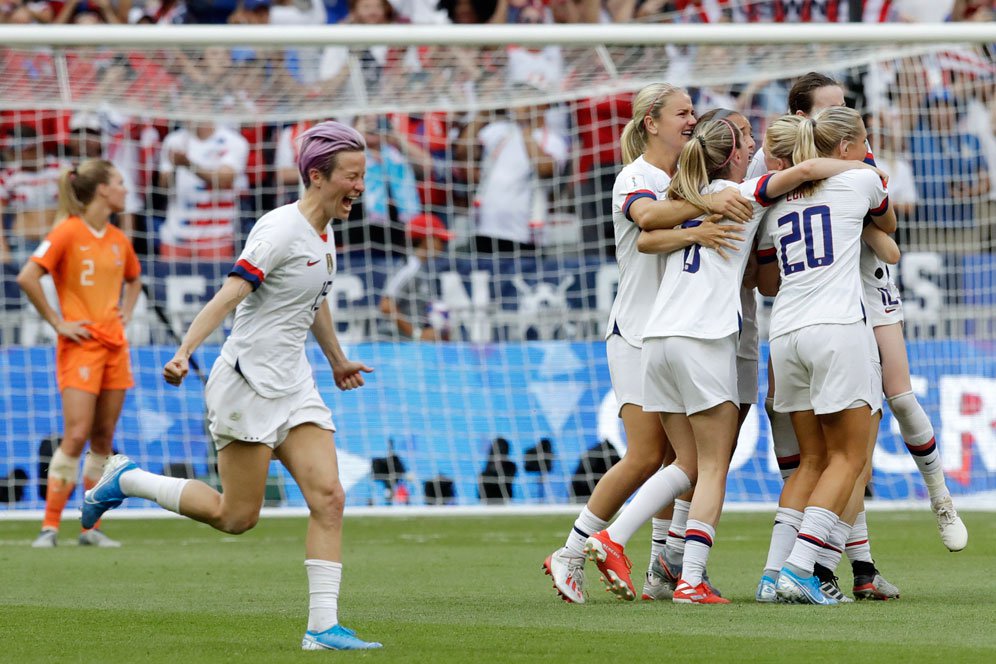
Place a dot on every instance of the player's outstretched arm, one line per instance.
(234, 290)
(654, 215)
(821, 168)
(707, 234)
(348, 374)
(132, 289)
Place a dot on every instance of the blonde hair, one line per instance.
(704, 158)
(781, 137)
(646, 102)
(78, 186)
(820, 135)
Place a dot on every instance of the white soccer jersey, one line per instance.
(197, 213)
(699, 295)
(290, 267)
(816, 240)
(639, 274)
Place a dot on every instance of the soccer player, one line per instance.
(662, 122)
(819, 345)
(689, 357)
(89, 260)
(261, 397)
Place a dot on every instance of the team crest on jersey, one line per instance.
(85, 373)
(329, 263)
(636, 182)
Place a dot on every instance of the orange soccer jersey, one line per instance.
(88, 270)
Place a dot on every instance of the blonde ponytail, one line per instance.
(78, 186)
(820, 136)
(706, 157)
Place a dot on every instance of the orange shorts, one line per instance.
(92, 367)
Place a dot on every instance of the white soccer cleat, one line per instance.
(567, 572)
(47, 539)
(98, 539)
(954, 535)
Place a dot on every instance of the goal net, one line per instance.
(493, 387)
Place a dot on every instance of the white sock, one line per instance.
(783, 439)
(832, 551)
(918, 434)
(657, 492)
(817, 523)
(658, 538)
(674, 548)
(698, 542)
(783, 534)
(858, 546)
(324, 578)
(587, 524)
(164, 490)
(93, 466)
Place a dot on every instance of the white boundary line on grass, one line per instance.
(964, 504)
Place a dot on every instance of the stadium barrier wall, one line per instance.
(438, 408)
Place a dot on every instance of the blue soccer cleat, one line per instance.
(106, 494)
(793, 589)
(336, 637)
(766, 591)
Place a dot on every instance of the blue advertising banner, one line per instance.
(439, 407)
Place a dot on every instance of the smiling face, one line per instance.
(674, 123)
(826, 97)
(343, 185)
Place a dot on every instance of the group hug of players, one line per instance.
(699, 224)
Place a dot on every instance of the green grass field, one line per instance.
(469, 589)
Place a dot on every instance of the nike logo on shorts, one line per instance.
(314, 262)
(890, 310)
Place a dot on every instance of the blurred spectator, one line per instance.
(599, 122)
(18, 12)
(29, 194)
(518, 150)
(948, 165)
(886, 138)
(162, 12)
(333, 67)
(203, 168)
(466, 12)
(298, 12)
(410, 300)
(377, 221)
(973, 10)
(251, 12)
(89, 12)
(420, 12)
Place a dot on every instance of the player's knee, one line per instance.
(643, 465)
(101, 439)
(236, 524)
(812, 463)
(327, 503)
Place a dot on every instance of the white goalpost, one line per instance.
(503, 396)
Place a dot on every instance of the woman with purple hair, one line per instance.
(261, 397)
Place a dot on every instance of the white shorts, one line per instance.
(624, 371)
(747, 379)
(823, 368)
(883, 305)
(237, 412)
(686, 375)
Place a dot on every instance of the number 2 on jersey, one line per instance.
(88, 269)
(804, 231)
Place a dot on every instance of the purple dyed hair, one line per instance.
(321, 144)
